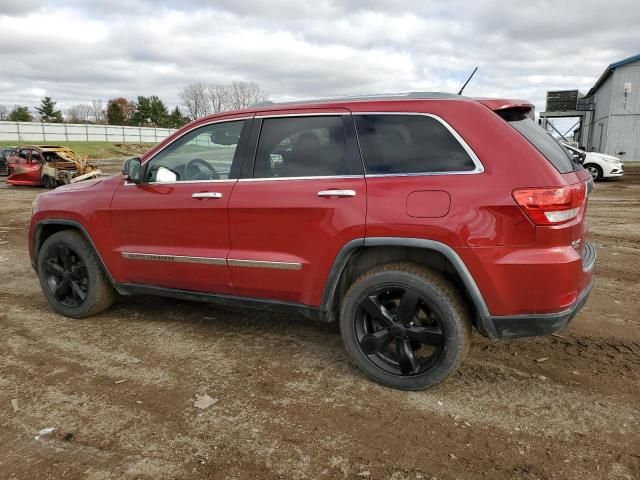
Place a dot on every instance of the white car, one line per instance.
(599, 165)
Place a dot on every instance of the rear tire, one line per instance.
(595, 171)
(71, 276)
(405, 326)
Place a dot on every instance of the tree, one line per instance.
(245, 94)
(98, 112)
(218, 97)
(195, 101)
(176, 119)
(119, 111)
(20, 114)
(3, 112)
(80, 113)
(48, 112)
(150, 112)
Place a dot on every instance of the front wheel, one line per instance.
(71, 276)
(595, 171)
(405, 326)
(49, 182)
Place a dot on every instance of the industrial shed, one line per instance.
(612, 106)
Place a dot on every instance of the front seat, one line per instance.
(304, 159)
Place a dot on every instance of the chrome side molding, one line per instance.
(173, 258)
(232, 262)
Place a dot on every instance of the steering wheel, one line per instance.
(193, 173)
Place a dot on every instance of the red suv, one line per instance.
(409, 218)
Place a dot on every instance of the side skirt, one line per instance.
(313, 313)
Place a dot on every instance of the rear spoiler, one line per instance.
(497, 104)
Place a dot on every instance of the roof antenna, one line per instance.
(468, 80)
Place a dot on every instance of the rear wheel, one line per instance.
(71, 276)
(594, 170)
(405, 326)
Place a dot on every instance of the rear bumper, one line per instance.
(531, 324)
(535, 325)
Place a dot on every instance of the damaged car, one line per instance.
(5, 153)
(48, 166)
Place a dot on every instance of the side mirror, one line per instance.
(579, 157)
(131, 170)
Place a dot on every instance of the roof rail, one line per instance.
(375, 96)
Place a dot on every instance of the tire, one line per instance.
(595, 171)
(49, 182)
(87, 290)
(439, 318)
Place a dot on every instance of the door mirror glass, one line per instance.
(131, 170)
(165, 175)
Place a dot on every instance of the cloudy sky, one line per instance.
(77, 51)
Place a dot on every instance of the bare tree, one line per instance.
(218, 97)
(81, 113)
(244, 94)
(195, 101)
(98, 112)
(4, 112)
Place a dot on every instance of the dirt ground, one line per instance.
(119, 388)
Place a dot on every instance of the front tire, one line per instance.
(49, 183)
(405, 326)
(595, 171)
(71, 276)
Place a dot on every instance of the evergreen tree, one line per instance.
(176, 119)
(114, 113)
(149, 112)
(20, 114)
(159, 112)
(48, 112)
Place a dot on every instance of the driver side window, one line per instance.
(205, 153)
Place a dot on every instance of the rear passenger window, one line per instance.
(301, 147)
(396, 144)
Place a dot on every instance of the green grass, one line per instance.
(94, 150)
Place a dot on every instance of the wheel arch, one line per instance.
(360, 255)
(46, 228)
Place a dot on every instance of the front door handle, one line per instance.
(206, 195)
(337, 193)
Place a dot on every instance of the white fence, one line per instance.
(63, 132)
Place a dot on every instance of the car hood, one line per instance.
(602, 156)
(79, 185)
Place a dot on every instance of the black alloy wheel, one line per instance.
(72, 277)
(405, 326)
(66, 276)
(400, 331)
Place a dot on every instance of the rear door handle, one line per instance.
(206, 195)
(337, 193)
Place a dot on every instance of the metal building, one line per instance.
(611, 123)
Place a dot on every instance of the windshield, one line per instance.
(548, 146)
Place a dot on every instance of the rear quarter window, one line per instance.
(548, 146)
(397, 144)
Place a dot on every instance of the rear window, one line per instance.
(396, 144)
(544, 143)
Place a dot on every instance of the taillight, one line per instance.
(551, 205)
